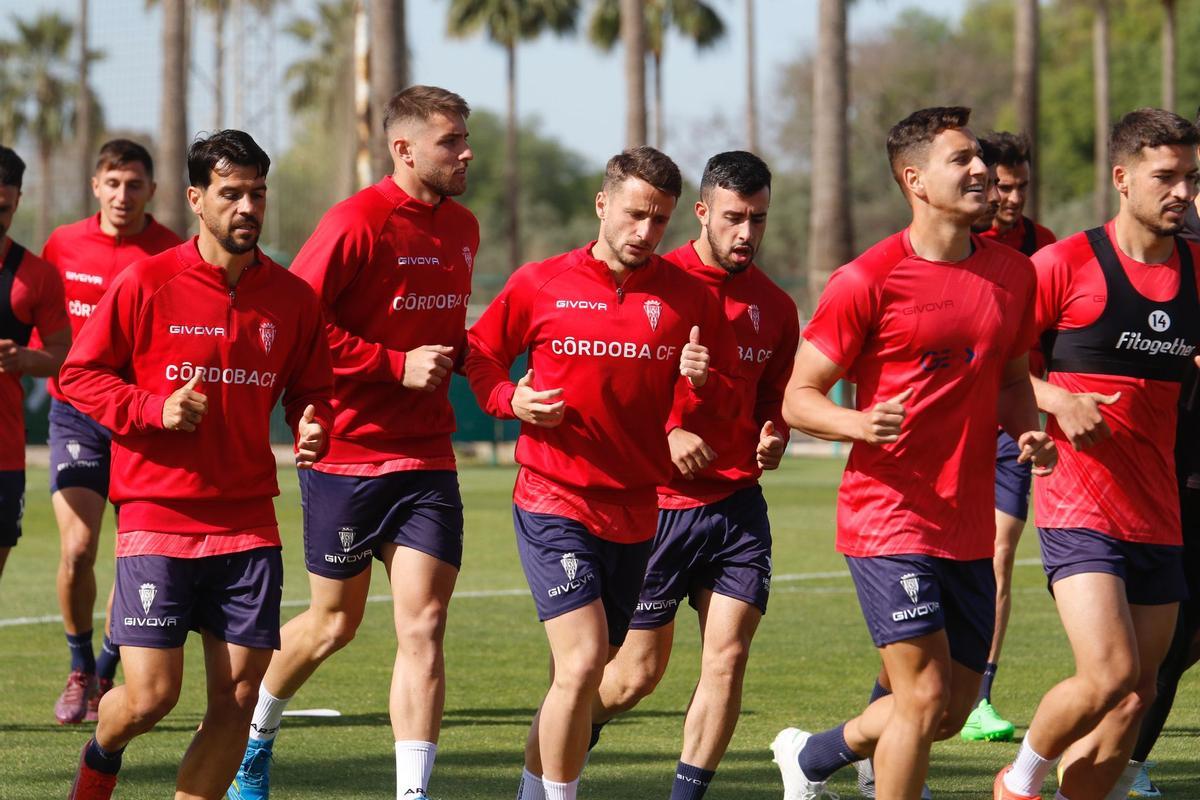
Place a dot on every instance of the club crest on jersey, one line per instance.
(570, 565)
(910, 584)
(346, 536)
(653, 309)
(470, 259)
(755, 316)
(147, 592)
(266, 334)
(73, 450)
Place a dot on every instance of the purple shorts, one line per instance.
(907, 596)
(12, 505)
(158, 599)
(724, 546)
(1153, 573)
(348, 519)
(79, 450)
(568, 567)
(1012, 479)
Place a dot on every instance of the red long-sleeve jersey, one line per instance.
(393, 274)
(164, 319)
(767, 327)
(88, 259)
(615, 353)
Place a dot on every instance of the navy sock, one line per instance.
(82, 656)
(879, 691)
(690, 782)
(596, 728)
(100, 760)
(985, 687)
(825, 753)
(106, 662)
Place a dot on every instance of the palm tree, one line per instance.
(389, 71)
(1103, 170)
(171, 207)
(1025, 88)
(695, 19)
(751, 82)
(633, 39)
(831, 236)
(1168, 54)
(83, 110)
(12, 102)
(507, 22)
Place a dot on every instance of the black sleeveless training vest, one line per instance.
(10, 326)
(1134, 335)
(1029, 240)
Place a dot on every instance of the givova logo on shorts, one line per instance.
(911, 585)
(570, 566)
(147, 593)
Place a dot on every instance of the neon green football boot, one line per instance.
(985, 725)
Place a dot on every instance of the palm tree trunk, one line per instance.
(171, 209)
(659, 125)
(830, 238)
(512, 175)
(83, 114)
(362, 97)
(45, 190)
(1025, 90)
(1168, 55)
(219, 67)
(389, 72)
(1103, 170)
(239, 64)
(633, 38)
(751, 82)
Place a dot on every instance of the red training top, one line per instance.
(37, 299)
(1123, 487)
(767, 327)
(209, 491)
(1014, 237)
(615, 353)
(393, 274)
(894, 320)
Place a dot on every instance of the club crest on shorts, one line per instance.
(73, 450)
(570, 565)
(653, 309)
(346, 536)
(755, 316)
(911, 585)
(266, 334)
(147, 592)
(470, 259)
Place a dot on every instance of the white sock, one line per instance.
(530, 787)
(1121, 789)
(1029, 771)
(264, 726)
(414, 763)
(561, 791)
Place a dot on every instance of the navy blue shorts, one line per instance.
(158, 599)
(568, 567)
(1012, 479)
(724, 546)
(79, 450)
(12, 505)
(907, 596)
(1153, 573)
(348, 519)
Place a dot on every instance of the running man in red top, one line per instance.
(934, 325)
(89, 254)
(392, 266)
(1120, 321)
(713, 543)
(31, 299)
(613, 334)
(183, 360)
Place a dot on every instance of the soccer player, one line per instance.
(392, 266)
(935, 326)
(1011, 154)
(713, 543)
(31, 298)
(613, 334)
(89, 254)
(1120, 318)
(183, 360)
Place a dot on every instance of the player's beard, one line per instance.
(1154, 223)
(617, 248)
(445, 183)
(723, 258)
(224, 235)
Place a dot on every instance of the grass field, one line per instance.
(812, 666)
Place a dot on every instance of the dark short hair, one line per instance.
(12, 168)
(735, 170)
(1149, 127)
(909, 139)
(646, 164)
(220, 152)
(1010, 149)
(989, 152)
(422, 102)
(117, 153)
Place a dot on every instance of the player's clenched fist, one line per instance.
(1037, 447)
(693, 360)
(770, 447)
(1081, 420)
(544, 409)
(689, 452)
(10, 357)
(310, 439)
(881, 423)
(427, 366)
(185, 407)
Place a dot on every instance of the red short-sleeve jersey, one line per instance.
(1014, 237)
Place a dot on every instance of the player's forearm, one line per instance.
(1016, 408)
(109, 399)
(810, 411)
(1050, 398)
(43, 362)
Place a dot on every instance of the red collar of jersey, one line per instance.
(906, 243)
(94, 229)
(188, 254)
(687, 257)
(584, 257)
(402, 199)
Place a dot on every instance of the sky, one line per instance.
(574, 91)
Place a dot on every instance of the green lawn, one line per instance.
(813, 665)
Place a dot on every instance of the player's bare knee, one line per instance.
(726, 665)
(580, 672)
(423, 631)
(78, 552)
(335, 631)
(144, 709)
